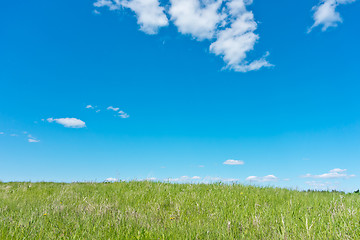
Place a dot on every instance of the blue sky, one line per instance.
(273, 85)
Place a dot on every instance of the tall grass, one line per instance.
(149, 210)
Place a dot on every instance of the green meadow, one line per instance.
(155, 210)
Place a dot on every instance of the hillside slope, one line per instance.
(149, 210)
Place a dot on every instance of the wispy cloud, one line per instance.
(334, 173)
(268, 178)
(319, 185)
(210, 179)
(68, 122)
(183, 179)
(325, 14)
(123, 114)
(31, 139)
(1, 133)
(95, 108)
(228, 25)
(233, 162)
(113, 108)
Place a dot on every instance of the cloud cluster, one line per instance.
(121, 113)
(182, 179)
(322, 185)
(325, 14)
(233, 162)
(334, 173)
(268, 178)
(227, 24)
(68, 122)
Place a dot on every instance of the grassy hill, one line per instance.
(149, 210)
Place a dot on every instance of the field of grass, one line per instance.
(149, 210)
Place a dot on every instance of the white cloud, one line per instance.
(234, 42)
(268, 178)
(96, 12)
(113, 108)
(228, 25)
(1, 133)
(122, 114)
(13, 135)
(182, 179)
(150, 15)
(110, 179)
(325, 14)
(31, 139)
(68, 122)
(322, 185)
(210, 179)
(233, 162)
(200, 19)
(334, 173)
(89, 106)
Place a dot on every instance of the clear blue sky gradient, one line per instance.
(301, 116)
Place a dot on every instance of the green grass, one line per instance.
(148, 210)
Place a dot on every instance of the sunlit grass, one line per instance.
(149, 210)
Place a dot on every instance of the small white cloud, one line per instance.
(325, 14)
(89, 106)
(13, 135)
(1, 133)
(210, 179)
(183, 179)
(334, 173)
(201, 166)
(113, 108)
(33, 140)
(122, 114)
(96, 12)
(111, 179)
(322, 185)
(97, 110)
(233, 162)
(68, 122)
(268, 178)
